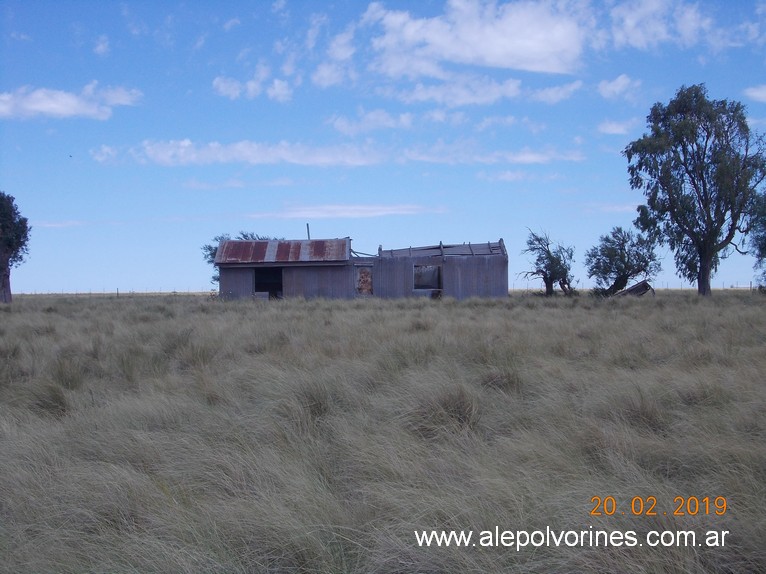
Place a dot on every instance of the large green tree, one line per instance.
(209, 249)
(618, 258)
(758, 236)
(552, 262)
(14, 237)
(699, 168)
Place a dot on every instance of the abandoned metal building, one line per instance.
(330, 268)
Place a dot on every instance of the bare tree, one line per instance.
(552, 263)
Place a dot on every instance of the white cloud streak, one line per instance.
(617, 128)
(557, 94)
(231, 23)
(757, 93)
(338, 66)
(102, 46)
(465, 153)
(280, 91)
(92, 102)
(58, 224)
(621, 86)
(185, 152)
(370, 121)
(233, 89)
(462, 91)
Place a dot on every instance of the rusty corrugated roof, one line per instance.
(289, 251)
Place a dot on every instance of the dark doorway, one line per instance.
(269, 280)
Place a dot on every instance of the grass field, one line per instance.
(179, 434)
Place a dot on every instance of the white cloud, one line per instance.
(465, 153)
(530, 36)
(641, 23)
(690, 25)
(58, 224)
(369, 121)
(254, 86)
(186, 152)
(200, 43)
(93, 102)
(440, 116)
(342, 47)
(338, 66)
(280, 91)
(102, 46)
(617, 128)
(492, 121)
(233, 89)
(757, 93)
(645, 24)
(207, 186)
(529, 156)
(622, 85)
(114, 96)
(317, 22)
(228, 87)
(504, 176)
(231, 23)
(328, 74)
(104, 154)
(556, 94)
(461, 91)
(278, 6)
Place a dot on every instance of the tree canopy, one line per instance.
(209, 249)
(758, 236)
(14, 239)
(619, 258)
(699, 168)
(552, 263)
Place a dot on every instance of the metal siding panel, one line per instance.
(393, 277)
(290, 283)
(236, 283)
(477, 276)
(309, 282)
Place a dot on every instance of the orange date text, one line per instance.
(648, 506)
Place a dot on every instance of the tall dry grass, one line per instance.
(175, 434)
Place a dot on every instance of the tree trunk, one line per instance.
(5, 284)
(548, 286)
(703, 275)
(619, 284)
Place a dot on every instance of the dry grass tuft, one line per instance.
(176, 434)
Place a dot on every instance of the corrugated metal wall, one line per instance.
(331, 282)
(461, 277)
(477, 276)
(236, 282)
(392, 277)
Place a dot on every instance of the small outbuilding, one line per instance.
(330, 268)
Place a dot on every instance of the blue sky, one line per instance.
(131, 133)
